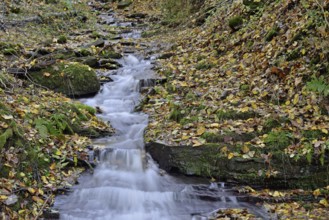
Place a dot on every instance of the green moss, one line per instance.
(62, 39)
(231, 136)
(278, 139)
(15, 10)
(244, 87)
(190, 96)
(10, 51)
(271, 123)
(5, 136)
(110, 54)
(272, 33)
(96, 35)
(203, 66)
(72, 79)
(235, 23)
(252, 4)
(313, 134)
(82, 52)
(188, 119)
(89, 109)
(231, 114)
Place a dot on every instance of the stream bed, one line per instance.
(127, 184)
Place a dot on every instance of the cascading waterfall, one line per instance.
(126, 184)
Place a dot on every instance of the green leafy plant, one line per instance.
(278, 139)
(318, 85)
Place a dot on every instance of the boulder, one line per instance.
(123, 4)
(72, 79)
(209, 161)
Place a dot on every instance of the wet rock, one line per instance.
(51, 214)
(137, 15)
(166, 55)
(72, 79)
(91, 61)
(128, 43)
(151, 82)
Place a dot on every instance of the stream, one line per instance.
(127, 184)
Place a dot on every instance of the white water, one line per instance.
(126, 185)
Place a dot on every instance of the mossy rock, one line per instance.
(72, 79)
(235, 23)
(252, 4)
(124, 4)
(82, 52)
(209, 161)
(110, 54)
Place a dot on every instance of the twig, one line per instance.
(323, 12)
(42, 207)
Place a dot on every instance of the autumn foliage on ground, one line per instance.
(43, 134)
(251, 74)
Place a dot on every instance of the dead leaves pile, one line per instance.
(216, 69)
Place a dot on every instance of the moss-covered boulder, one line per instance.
(123, 4)
(72, 79)
(276, 171)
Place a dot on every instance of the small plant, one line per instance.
(176, 113)
(318, 85)
(203, 66)
(62, 39)
(272, 33)
(235, 23)
(278, 139)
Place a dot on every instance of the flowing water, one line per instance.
(126, 184)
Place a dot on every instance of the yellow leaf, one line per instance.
(316, 192)
(324, 202)
(7, 117)
(32, 63)
(200, 130)
(214, 125)
(183, 84)
(303, 51)
(185, 137)
(296, 99)
(276, 194)
(58, 153)
(44, 179)
(245, 149)
(22, 211)
(37, 199)
(31, 190)
(75, 160)
(224, 149)
(3, 197)
(324, 130)
(46, 74)
(245, 109)
(230, 156)
(52, 166)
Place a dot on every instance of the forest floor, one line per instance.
(255, 78)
